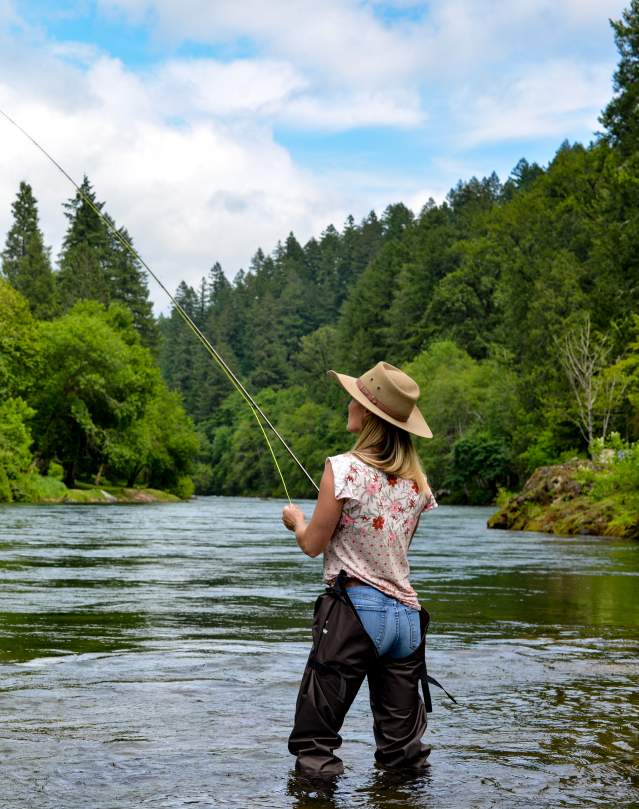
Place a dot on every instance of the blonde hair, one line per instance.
(389, 448)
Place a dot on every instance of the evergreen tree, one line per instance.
(521, 178)
(323, 261)
(621, 116)
(25, 260)
(95, 264)
(433, 256)
(359, 245)
(128, 285)
(86, 260)
(212, 385)
(268, 346)
(396, 220)
(179, 346)
(363, 324)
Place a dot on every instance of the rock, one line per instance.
(553, 500)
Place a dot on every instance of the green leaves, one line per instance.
(25, 259)
(19, 343)
(621, 115)
(102, 402)
(15, 442)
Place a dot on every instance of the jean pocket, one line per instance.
(373, 620)
(415, 628)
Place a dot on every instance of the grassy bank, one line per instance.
(34, 488)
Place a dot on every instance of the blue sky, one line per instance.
(212, 127)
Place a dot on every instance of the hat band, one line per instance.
(374, 400)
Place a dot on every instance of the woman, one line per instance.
(369, 622)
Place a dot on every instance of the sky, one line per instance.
(213, 127)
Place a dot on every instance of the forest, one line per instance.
(514, 304)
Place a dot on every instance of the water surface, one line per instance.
(150, 656)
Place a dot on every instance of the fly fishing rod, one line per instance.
(214, 353)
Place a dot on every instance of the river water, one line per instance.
(150, 657)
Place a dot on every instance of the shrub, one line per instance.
(183, 488)
(34, 488)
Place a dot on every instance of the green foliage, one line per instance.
(478, 463)
(102, 401)
(19, 343)
(613, 441)
(96, 383)
(622, 472)
(95, 264)
(202, 477)
(25, 260)
(35, 488)
(164, 445)
(466, 402)
(503, 496)
(621, 116)
(241, 461)
(15, 442)
(544, 450)
(6, 494)
(183, 487)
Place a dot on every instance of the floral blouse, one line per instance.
(373, 535)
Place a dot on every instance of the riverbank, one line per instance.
(34, 489)
(576, 497)
(99, 496)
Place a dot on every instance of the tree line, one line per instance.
(80, 387)
(514, 304)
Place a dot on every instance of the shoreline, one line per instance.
(100, 496)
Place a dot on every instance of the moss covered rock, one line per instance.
(556, 499)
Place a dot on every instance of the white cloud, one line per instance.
(341, 41)
(260, 89)
(330, 66)
(190, 194)
(349, 67)
(549, 99)
(242, 87)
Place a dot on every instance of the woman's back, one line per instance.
(378, 520)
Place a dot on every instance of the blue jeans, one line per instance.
(393, 627)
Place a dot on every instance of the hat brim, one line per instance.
(415, 423)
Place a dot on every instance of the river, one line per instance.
(150, 657)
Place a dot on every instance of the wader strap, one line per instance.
(342, 576)
(426, 678)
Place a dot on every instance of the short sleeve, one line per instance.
(348, 477)
(430, 502)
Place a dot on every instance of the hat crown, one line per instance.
(389, 387)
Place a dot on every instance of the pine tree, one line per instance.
(212, 385)
(94, 263)
(128, 284)
(621, 116)
(359, 244)
(25, 260)
(87, 257)
(180, 346)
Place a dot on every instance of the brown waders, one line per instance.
(341, 656)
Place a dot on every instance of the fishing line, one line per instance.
(215, 354)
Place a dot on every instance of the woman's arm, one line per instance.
(315, 536)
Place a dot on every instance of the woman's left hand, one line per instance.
(292, 516)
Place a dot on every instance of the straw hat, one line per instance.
(389, 393)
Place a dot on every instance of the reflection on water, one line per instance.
(150, 656)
